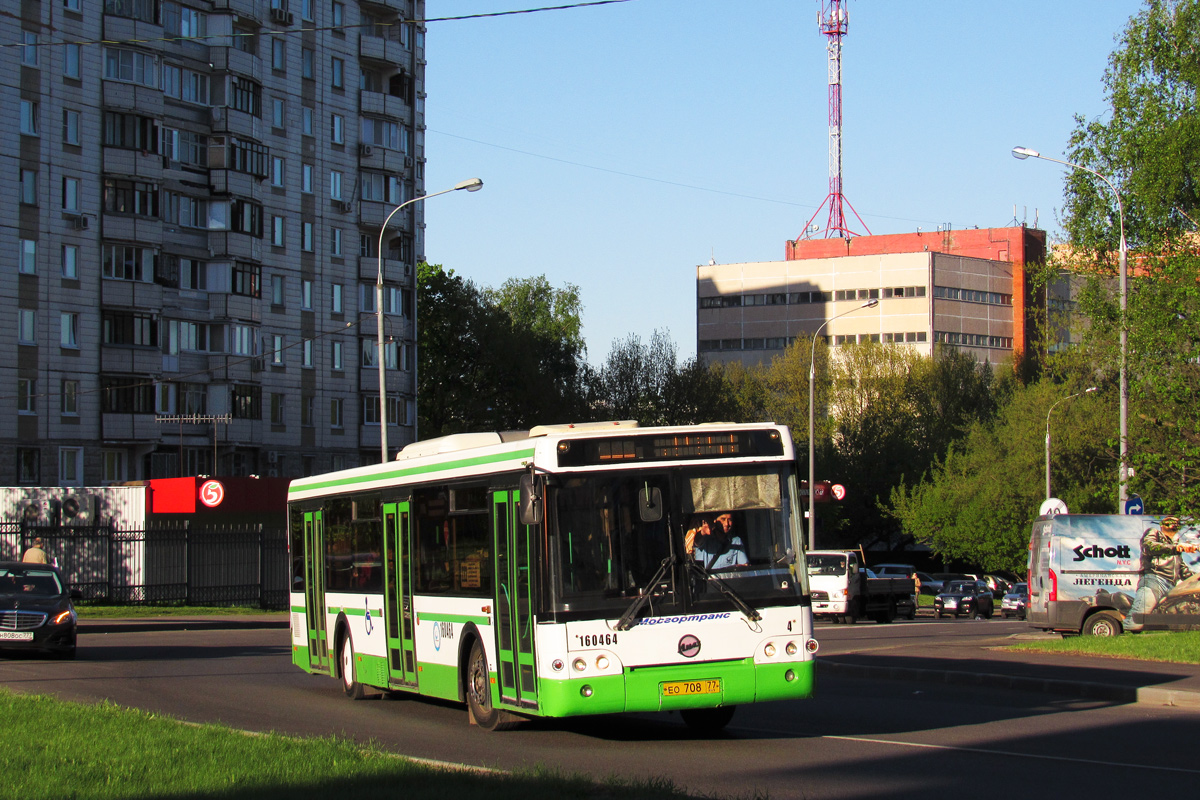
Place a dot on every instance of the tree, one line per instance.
(1150, 148)
(479, 368)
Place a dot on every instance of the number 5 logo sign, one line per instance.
(212, 493)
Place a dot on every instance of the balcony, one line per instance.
(377, 48)
(133, 163)
(372, 214)
(235, 307)
(230, 59)
(240, 184)
(131, 229)
(248, 10)
(120, 96)
(127, 360)
(393, 271)
(379, 104)
(131, 427)
(382, 159)
(130, 294)
(238, 123)
(235, 245)
(123, 29)
(398, 383)
(240, 369)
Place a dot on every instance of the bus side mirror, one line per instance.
(531, 502)
(650, 504)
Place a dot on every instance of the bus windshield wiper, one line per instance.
(727, 590)
(629, 618)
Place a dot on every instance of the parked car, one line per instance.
(894, 570)
(997, 584)
(36, 612)
(1016, 601)
(965, 598)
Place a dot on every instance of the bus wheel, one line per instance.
(353, 689)
(707, 721)
(479, 693)
(1105, 623)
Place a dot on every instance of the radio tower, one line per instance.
(833, 23)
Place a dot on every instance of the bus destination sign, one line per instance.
(673, 447)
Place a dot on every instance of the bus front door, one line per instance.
(402, 665)
(314, 590)
(514, 602)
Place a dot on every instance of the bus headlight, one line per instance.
(791, 648)
(602, 662)
(769, 650)
(579, 664)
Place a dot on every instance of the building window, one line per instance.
(70, 194)
(69, 329)
(69, 398)
(130, 263)
(277, 231)
(131, 132)
(335, 241)
(337, 129)
(29, 48)
(337, 69)
(339, 14)
(130, 197)
(308, 411)
(183, 21)
(306, 294)
(70, 132)
(143, 10)
(336, 298)
(246, 401)
(28, 258)
(130, 66)
(127, 395)
(306, 121)
(29, 121)
(337, 412)
(71, 60)
(245, 95)
(278, 113)
(249, 157)
(70, 261)
(306, 350)
(129, 328)
(335, 184)
(241, 340)
(278, 416)
(380, 132)
(382, 188)
(278, 54)
(70, 466)
(246, 217)
(277, 349)
(277, 282)
(112, 466)
(335, 356)
(276, 171)
(246, 279)
(306, 178)
(308, 58)
(28, 187)
(26, 396)
(29, 470)
(306, 237)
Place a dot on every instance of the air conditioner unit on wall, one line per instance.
(282, 16)
(272, 456)
(80, 223)
(77, 509)
(366, 150)
(345, 205)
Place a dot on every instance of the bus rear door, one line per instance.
(314, 590)
(402, 666)
(514, 602)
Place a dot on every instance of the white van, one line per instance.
(1084, 571)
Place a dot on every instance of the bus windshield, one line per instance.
(612, 532)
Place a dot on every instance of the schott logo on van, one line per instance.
(1097, 551)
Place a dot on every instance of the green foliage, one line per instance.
(1150, 148)
(493, 364)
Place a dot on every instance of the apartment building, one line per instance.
(963, 288)
(192, 226)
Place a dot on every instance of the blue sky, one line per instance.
(622, 145)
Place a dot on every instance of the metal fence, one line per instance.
(165, 564)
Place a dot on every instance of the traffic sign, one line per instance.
(839, 491)
(1052, 506)
(1135, 506)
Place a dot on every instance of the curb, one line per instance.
(1080, 689)
(119, 625)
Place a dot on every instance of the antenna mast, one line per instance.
(834, 23)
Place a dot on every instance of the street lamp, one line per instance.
(1052, 407)
(472, 185)
(1023, 153)
(812, 416)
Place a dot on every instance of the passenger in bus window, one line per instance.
(714, 544)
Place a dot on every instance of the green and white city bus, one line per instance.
(561, 572)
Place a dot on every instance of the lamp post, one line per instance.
(1052, 407)
(471, 185)
(812, 422)
(1023, 153)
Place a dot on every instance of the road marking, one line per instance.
(990, 752)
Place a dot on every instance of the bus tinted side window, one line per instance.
(354, 545)
(452, 541)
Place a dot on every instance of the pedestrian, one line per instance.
(37, 554)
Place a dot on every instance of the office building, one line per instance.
(196, 192)
(966, 288)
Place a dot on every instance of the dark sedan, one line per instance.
(965, 598)
(1016, 601)
(35, 609)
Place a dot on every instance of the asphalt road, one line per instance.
(858, 738)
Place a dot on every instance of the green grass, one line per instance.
(98, 611)
(54, 750)
(1181, 647)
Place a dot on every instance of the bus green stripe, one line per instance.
(425, 616)
(404, 472)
